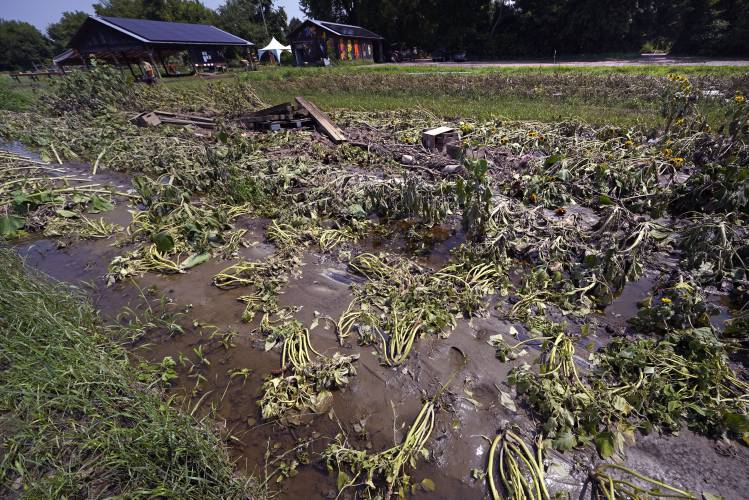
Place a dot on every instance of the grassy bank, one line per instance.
(74, 421)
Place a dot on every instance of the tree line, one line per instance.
(517, 28)
(484, 28)
(23, 45)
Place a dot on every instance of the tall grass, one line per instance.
(74, 421)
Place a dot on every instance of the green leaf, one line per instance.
(194, 260)
(99, 204)
(163, 241)
(68, 214)
(565, 441)
(736, 422)
(9, 224)
(428, 484)
(343, 480)
(605, 444)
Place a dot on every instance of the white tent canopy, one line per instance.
(274, 47)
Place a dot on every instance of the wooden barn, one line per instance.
(173, 49)
(319, 42)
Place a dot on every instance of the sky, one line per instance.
(42, 13)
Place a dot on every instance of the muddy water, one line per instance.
(382, 400)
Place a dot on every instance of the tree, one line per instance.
(183, 11)
(22, 46)
(121, 8)
(63, 30)
(294, 23)
(244, 18)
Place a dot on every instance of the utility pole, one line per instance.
(262, 13)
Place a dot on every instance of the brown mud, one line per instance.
(380, 403)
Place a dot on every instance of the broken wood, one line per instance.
(322, 120)
(279, 109)
(438, 138)
(156, 118)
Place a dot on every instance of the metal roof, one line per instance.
(346, 29)
(172, 33)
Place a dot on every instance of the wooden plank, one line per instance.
(278, 109)
(323, 120)
(266, 118)
(181, 116)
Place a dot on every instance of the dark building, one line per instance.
(313, 42)
(172, 48)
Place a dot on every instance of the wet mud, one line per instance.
(379, 404)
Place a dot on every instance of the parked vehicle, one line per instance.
(460, 56)
(440, 55)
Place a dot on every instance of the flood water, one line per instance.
(382, 401)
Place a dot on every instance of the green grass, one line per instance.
(16, 96)
(75, 421)
(275, 72)
(602, 95)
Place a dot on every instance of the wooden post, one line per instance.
(161, 58)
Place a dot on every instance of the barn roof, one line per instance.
(345, 29)
(162, 32)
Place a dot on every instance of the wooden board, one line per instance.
(322, 120)
(279, 109)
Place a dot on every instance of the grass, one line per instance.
(614, 95)
(622, 96)
(75, 421)
(15, 96)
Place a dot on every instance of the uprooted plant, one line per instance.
(358, 468)
(401, 301)
(305, 384)
(173, 233)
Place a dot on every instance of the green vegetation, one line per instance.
(554, 222)
(75, 420)
(622, 96)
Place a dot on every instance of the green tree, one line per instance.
(121, 8)
(244, 18)
(63, 30)
(22, 46)
(183, 11)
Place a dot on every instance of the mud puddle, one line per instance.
(213, 345)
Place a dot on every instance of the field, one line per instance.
(559, 309)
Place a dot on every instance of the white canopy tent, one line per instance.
(274, 47)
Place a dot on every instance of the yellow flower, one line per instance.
(466, 127)
(629, 143)
(739, 98)
(665, 300)
(680, 121)
(667, 152)
(677, 161)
